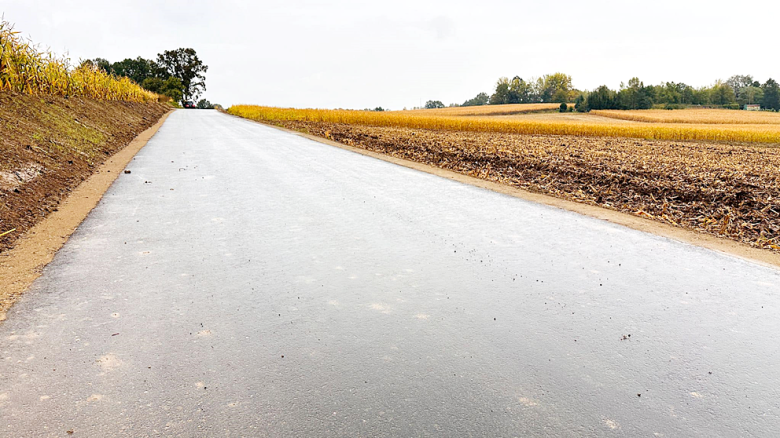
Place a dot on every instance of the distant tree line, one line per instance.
(178, 74)
(736, 92)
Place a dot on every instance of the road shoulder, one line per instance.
(22, 265)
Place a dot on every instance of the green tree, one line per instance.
(738, 83)
(722, 94)
(501, 96)
(100, 63)
(171, 87)
(433, 104)
(479, 99)
(602, 98)
(580, 104)
(204, 104)
(771, 98)
(522, 91)
(555, 87)
(185, 65)
(138, 69)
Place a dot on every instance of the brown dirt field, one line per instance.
(49, 145)
(728, 191)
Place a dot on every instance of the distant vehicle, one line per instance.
(188, 104)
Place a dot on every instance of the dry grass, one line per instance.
(28, 70)
(519, 125)
(695, 116)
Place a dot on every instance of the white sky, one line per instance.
(399, 53)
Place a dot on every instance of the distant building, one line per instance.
(753, 107)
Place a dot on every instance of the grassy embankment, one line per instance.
(57, 124)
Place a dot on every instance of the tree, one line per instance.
(501, 96)
(204, 104)
(563, 108)
(722, 94)
(750, 95)
(635, 95)
(738, 82)
(171, 87)
(138, 69)
(555, 87)
(602, 98)
(580, 105)
(771, 98)
(185, 65)
(100, 63)
(433, 104)
(479, 99)
(521, 91)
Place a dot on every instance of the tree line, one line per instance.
(178, 74)
(735, 93)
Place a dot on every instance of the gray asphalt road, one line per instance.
(246, 281)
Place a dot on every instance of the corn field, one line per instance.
(24, 68)
(766, 133)
(695, 116)
(488, 110)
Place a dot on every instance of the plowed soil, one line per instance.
(48, 145)
(730, 191)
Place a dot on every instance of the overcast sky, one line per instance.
(399, 53)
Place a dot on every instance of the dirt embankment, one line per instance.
(730, 191)
(49, 145)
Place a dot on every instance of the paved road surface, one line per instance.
(246, 281)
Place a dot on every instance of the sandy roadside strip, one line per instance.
(20, 266)
(727, 246)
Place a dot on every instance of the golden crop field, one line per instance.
(26, 69)
(766, 133)
(695, 116)
(487, 110)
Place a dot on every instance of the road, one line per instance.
(247, 281)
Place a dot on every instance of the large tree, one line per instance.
(602, 98)
(433, 104)
(501, 96)
(185, 65)
(138, 69)
(771, 95)
(479, 99)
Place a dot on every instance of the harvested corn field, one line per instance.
(722, 190)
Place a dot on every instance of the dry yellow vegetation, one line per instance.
(26, 69)
(487, 110)
(483, 123)
(695, 116)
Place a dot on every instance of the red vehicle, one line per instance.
(188, 104)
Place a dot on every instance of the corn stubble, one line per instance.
(26, 69)
(731, 191)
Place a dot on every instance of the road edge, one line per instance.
(721, 245)
(24, 263)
